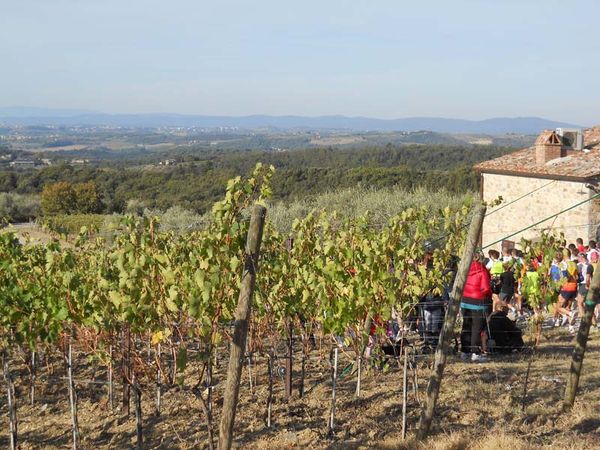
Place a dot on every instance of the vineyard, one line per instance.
(140, 325)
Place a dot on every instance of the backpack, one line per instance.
(572, 274)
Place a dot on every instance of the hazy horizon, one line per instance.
(76, 111)
(460, 60)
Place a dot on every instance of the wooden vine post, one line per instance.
(10, 396)
(289, 359)
(441, 353)
(240, 333)
(72, 394)
(592, 299)
(126, 369)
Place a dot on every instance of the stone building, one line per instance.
(559, 171)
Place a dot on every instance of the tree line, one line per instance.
(196, 180)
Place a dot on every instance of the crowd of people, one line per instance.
(504, 288)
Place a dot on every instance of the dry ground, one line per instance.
(32, 231)
(480, 408)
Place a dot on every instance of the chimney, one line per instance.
(548, 146)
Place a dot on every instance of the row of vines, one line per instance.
(136, 305)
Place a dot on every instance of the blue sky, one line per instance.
(379, 58)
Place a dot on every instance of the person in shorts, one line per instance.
(568, 290)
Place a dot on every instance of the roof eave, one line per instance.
(545, 176)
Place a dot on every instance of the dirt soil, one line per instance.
(480, 407)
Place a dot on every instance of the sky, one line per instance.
(386, 59)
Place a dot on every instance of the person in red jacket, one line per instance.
(475, 306)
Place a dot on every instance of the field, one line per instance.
(480, 407)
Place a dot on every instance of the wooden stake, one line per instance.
(72, 396)
(358, 374)
(158, 380)
(110, 386)
(404, 392)
(333, 391)
(289, 360)
(249, 364)
(137, 392)
(270, 394)
(442, 350)
(592, 299)
(302, 372)
(364, 344)
(32, 379)
(240, 333)
(12, 406)
(209, 402)
(126, 369)
(415, 378)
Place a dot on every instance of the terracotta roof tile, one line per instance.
(576, 164)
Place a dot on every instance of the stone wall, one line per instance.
(551, 198)
(594, 229)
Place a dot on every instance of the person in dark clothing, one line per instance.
(507, 283)
(432, 309)
(504, 334)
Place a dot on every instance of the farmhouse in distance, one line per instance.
(557, 178)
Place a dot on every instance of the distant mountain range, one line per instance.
(65, 117)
